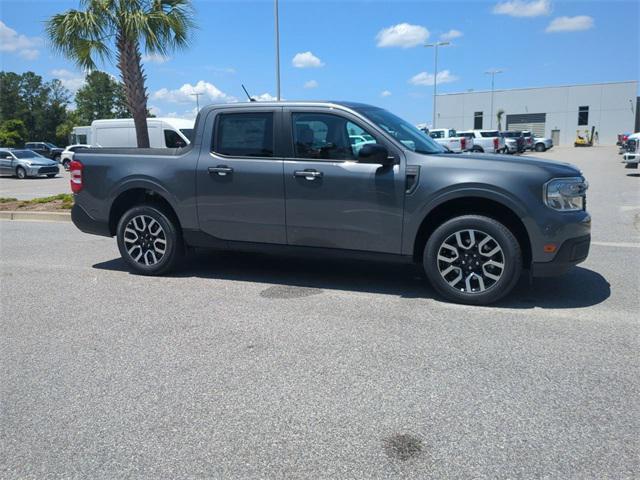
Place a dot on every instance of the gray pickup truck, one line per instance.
(284, 177)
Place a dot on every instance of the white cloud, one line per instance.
(70, 80)
(402, 35)
(570, 24)
(450, 35)
(187, 115)
(385, 93)
(221, 70)
(265, 97)
(12, 42)
(155, 110)
(520, 8)
(306, 60)
(155, 58)
(311, 84)
(184, 94)
(425, 79)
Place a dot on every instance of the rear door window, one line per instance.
(244, 134)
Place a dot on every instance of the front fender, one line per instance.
(415, 219)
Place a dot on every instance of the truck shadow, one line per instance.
(579, 288)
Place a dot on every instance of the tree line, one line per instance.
(32, 109)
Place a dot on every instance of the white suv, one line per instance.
(67, 154)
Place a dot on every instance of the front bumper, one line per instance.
(36, 170)
(572, 252)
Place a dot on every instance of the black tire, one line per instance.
(540, 147)
(51, 175)
(172, 237)
(66, 163)
(510, 255)
(477, 149)
(21, 173)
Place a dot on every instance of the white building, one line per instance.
(555, 112)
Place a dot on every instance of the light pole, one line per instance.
(493, 75)
(435, 75)
(277, 29)
(197, 95)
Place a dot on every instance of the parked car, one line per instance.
(121, 132)
(282, 177)
(450, 139)
(632, 151)
(487, 141)
(26, 163)
(542, 144)
(514, 141)
(67, 154)
(45, 149)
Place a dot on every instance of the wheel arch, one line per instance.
(472, 205)
(139, 195)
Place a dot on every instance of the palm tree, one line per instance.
(89, 35)
(499, 115)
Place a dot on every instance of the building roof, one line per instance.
(538, 88)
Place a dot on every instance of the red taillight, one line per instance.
(75, 169)
(463, 143)
(496, 143)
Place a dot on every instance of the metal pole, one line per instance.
(197, 95)
(493, 76)
(277, 28)
(435, 76)
(435, 85)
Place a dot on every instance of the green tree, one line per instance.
(13, 133)
(100, 97)
(88, 36)
(41, 106)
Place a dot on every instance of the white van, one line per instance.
(80, 135)
(121, 133)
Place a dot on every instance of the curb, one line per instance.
(36, 216)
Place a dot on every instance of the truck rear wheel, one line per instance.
(149, 240)
(473, 259)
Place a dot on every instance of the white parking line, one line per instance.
(617, 244)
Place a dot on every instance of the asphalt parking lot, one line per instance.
(252, 366)
(34, 187)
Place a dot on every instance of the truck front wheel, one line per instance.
(473, 259)
(149, 240)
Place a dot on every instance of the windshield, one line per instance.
(402, 131)
(25, 154)
(490, 134)
(511, 134)
(50, 145)
(187, 132)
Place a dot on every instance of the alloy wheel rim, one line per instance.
(145, 240)
(471, 261)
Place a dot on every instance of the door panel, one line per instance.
(351, 206)
(241, 195)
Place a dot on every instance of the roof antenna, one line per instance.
(251, 99)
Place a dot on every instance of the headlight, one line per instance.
(566, 194)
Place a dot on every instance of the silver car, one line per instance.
(26, 163)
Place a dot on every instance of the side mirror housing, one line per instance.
(375, 153)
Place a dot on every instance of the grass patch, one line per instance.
(63, 201)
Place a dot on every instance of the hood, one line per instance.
(40, 161)
(552, 167)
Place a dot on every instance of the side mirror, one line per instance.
(375, 153)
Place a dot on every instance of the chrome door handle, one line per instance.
(307, 174)
(221, 170)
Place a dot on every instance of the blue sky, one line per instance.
(367, 51)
